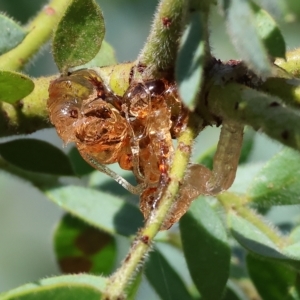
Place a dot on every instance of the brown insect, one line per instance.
(135, 130)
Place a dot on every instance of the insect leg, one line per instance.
(119, 179)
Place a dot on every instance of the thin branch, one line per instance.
(259, 110)
(160, 50)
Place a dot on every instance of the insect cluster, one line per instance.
(135, 130)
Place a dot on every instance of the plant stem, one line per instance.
(39, 32)
(121, 279)
(160, 50)
(261, 111)
(233, 202)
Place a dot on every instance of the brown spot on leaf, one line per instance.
(92, 241)
(75, 264)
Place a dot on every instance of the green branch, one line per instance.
(122, 278)
(160, 50)
(39, 32)
(261, 111)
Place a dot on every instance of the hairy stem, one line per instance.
(160, 50)
(39, 32)
(261, 111)
(120, 280)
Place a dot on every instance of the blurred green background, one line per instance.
(27, 218)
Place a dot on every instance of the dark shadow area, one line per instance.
(128, 220)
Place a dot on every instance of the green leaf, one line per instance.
(274, 7)
(278, 182)
(240, 23)
(206, 249)
(75, 287)
(102, 210)
(244, 175)
(105, 57)
(79, 34)
(80, 166)
(257, 242)
(292, 250)
(273, 280)
(164, 279)
(191, 59)
(81, 248)
(14, 86)
(36, 156)
(269, 33)
(233, 292)
(252, 238)
(102, 182)
(11, 34)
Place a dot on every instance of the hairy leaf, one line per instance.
(79, 34)
(269, 33)
(164, 279)
(240, 22)
(256, 241)
(81, 248)
(36, 156)
(105, 57)
(279, 180)
(233, 292)
(273, 280)
(206, 249)
(102, 210)
(75, 287)
(80, 166)
(191, 59)
(14, 86)
(274, 7)
(11, 34)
